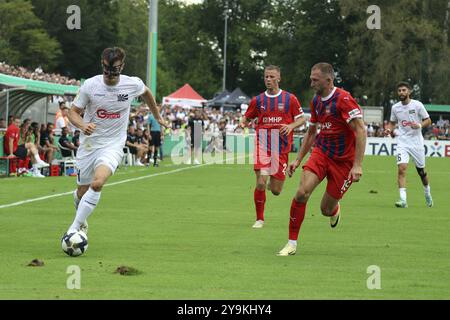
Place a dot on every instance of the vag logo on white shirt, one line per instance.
(122, 97)
(407, 123)
(104, 114)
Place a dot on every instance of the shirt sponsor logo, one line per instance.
(104, 114)
(122, 97)
(272, 119)
(406, 123)
(412, 111)
(326, 125)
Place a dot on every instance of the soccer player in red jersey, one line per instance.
(337, 154)
(278, 113)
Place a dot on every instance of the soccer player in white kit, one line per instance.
(106, 101)
(410, 116)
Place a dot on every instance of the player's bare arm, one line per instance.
(149, 100)
(307, 143)
(425, 123)
(360, 130)
(286, 129)
(76, 119)
(244, 123)
(390, 129)
(11, 147)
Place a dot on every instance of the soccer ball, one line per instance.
(75, 243)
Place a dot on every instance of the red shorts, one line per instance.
(274, 166)
(336, 172)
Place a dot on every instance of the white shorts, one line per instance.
(418, 155)
(88, 161)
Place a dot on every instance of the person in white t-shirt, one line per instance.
(410, 116)
(106, 102)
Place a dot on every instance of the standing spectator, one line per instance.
(196, 126)
(155, 134)
(370, 130)
(62, 121)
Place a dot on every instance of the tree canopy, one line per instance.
(412, 43)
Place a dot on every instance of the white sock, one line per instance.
(87, 204)
(402, 194)
(36, 156)
(293, 242)
(427, 190)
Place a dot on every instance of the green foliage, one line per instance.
(410, 46)
(413, 43)
(23, 40)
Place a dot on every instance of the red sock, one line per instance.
(297, 215)
(260, 201)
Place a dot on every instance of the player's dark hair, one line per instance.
(404, 84)
(113, 54)
(325, 68)
(273, 67)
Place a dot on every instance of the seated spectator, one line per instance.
(65, 143)
(76, 139)
(14, 149)
(135, 148)
(47, 143)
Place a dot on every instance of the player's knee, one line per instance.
(421, 172)
(302, 195)
(276, 192)
(97, 185)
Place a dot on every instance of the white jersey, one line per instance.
(108, 107)
(405, 115)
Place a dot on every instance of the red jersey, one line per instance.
(336, 138)
(11, 132)
(272, 112)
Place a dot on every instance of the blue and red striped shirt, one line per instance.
(336, 138)
(272, 112)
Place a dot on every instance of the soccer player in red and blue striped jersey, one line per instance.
(337, 155)
(278, 113)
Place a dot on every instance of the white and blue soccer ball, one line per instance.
(74, 244)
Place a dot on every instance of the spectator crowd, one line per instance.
(37, 74)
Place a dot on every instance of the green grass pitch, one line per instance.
(189, 235)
